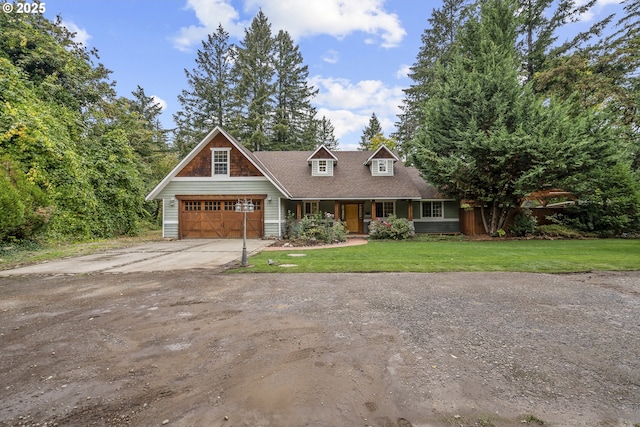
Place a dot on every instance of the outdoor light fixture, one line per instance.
(172, 202)
(244, 206)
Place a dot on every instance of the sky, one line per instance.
(358, 51)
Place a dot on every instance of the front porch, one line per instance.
(356, 214)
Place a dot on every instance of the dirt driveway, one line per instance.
(196, 348)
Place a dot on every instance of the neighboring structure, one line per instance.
(200, 193)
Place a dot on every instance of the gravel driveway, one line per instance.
(193, 348)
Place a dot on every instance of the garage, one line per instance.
(211, 217)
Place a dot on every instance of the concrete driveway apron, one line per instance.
(153, 256)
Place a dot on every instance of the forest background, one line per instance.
(76, 160)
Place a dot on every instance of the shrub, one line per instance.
(318, 227)
(523, 223)
(558, 231)
(394, 228)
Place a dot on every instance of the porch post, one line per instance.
(336, 211)
(373, 210)
(410, 213)
(299, 210)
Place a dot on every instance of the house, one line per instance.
(199, 195)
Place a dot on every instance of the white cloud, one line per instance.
(337, 18)
(349, 106)
(210, 14)
(161, 102)
(596, 9)
(403, 71)
(331, 56)
(81, 35)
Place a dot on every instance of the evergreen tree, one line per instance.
(293, 97)
(438, 46)
(370, 131)
(254, 87)
(326, 134)
(208, 100)
(489, 138)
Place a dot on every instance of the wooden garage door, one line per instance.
(217, 219)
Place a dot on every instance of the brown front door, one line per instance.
(352, 217)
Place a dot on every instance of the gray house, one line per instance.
(200, 193)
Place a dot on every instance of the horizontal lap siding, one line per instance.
(437, 226)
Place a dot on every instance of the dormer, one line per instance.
(322, 162)
(381, 162)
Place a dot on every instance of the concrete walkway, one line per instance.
(153, 256)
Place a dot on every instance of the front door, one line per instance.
(352, 217)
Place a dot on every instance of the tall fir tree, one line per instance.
(438, 46)
(326, 134)
(489, 138)
(208, 100)
(254, 88)
(293, 97)
(370, 131)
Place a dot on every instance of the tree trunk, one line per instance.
(496, 219)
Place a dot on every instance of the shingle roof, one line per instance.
(351, 178)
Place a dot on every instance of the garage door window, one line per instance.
(211, 206)
(229, 206)
(191, 206)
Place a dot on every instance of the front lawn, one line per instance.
(419, 256)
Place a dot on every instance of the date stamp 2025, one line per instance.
(22, 8)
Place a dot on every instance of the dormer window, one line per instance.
(322, 167)
(382, 167)
(381, 162)
(322, 162)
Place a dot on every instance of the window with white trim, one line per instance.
(220, 162)
(311, 208)
(384, 209)
(382, 167)
(433, 209)
(322, 166)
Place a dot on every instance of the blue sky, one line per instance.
(357, 51)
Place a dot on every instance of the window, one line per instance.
(382, 167)
(433, 209)
(229, 205)
(257, 205)
(311, 208)
(322, 166)
(211, 206)
(220, 162)
(384, 209)
(192, 206)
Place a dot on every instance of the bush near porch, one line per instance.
(317, 228)
(393, 228)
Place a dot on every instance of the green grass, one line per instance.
(556, 256)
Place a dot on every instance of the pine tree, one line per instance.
(254, 87)
(438, 43)
(293, 96)
(489, 138)
(326, 134)
(370, 131)
(207, 102)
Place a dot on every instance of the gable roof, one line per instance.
(317, 154)
(245, 152)
(377, 155)
(351, 178)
